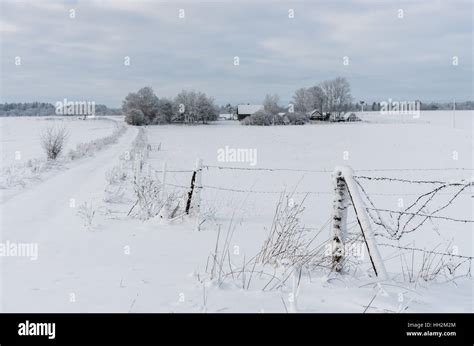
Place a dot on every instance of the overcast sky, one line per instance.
(83, 58)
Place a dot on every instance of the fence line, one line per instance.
(223, 188)
(410, 181)
(268, 169)
(249, 191)
(420, 214)
(424, 250)
(352, 183)
(275, 169)
(414, 169)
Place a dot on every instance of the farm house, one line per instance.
(243, 111)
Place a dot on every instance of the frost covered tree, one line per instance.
(309, 99)
(191, 107)
(315, 99)
(164, 112)
(270, 104)
(299, 100)
(144, 107)
(144, 100)
(185, 107)
(337, 94)
(135, 117)
(206, 109)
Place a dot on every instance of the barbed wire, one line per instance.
(462, 182)
(422, 215)
(424, 250)
(270, 169)
(222, 188)
(252, 191)
(173, 171)
(415, 169)
(396, 231)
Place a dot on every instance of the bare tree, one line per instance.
(309, 99)
(315, 99)
(300, 100)
(206, 109)
(270, 104)
(337, 95)
(185, 107)
(53, 141)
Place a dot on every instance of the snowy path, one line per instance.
(43, 215)
(119, 266)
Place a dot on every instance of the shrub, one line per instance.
(260, 118)
(263, 118)
(296, 118)
(53, 141)
(135, 117)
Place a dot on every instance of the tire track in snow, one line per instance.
(42, 215)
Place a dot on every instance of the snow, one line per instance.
(22, 134)
(123, 264)
(21, 173)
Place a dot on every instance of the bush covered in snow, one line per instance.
(89, 148)
(19, 175)
(263, 118)
(295, 118)
(135, 117)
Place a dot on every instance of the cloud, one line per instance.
(83, 57)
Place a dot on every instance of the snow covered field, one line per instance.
(22, 134)
(113, 261)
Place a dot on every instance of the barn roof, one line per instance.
(248, 109)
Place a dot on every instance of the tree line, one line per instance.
(144, 108)
(333, 96)
(330, 96)
(36, 109)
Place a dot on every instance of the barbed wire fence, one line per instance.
(394, 225)
(390, 224)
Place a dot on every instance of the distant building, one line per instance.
(226, 116)
(334, 117)
(351, 117)
(243, 111)
(317, 115)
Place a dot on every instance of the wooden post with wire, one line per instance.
(339, 219)
(194, 194)
(344, 181)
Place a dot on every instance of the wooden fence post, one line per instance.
(364, 222)
(163, 182)
(198, 186)
(339, 219)
(195, 182)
